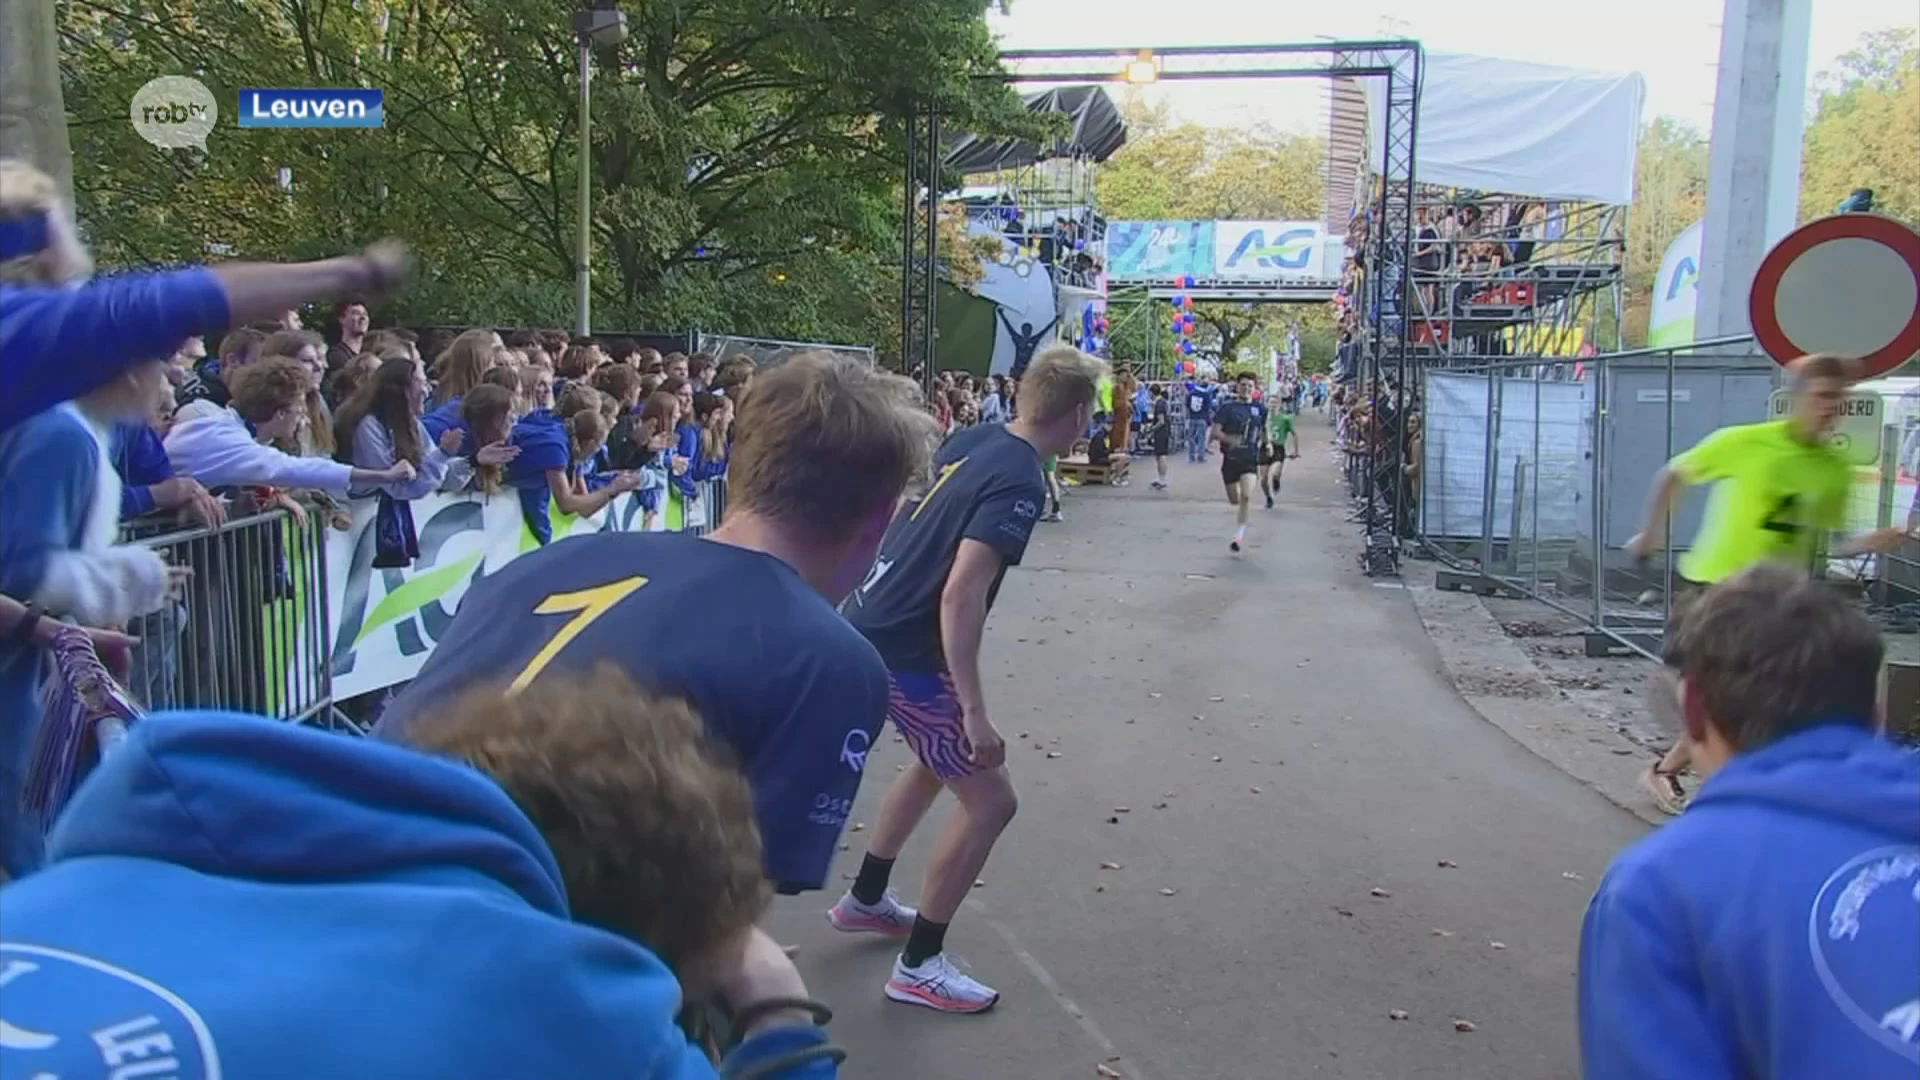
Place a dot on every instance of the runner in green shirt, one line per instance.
(1273, 456)
(1778, 489)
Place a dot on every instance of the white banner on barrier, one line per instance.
(385, 621)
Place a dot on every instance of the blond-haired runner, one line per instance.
(924, 606)
(1778, 488)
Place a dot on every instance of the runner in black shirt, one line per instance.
(924, 606)
(1239, 426)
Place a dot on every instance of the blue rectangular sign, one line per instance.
(311, 108)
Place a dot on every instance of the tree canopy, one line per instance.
(1171, 171)
(745, 156)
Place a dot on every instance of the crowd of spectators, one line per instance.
(552, 826)
(1069, 241)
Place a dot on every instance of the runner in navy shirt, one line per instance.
(1239, 426)
(741, 623)
(924, 606)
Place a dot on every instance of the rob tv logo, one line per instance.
(311, 108)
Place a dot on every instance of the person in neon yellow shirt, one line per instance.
(1779, 488)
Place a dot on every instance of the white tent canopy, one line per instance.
(1520, 128)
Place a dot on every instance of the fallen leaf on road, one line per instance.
(1123, 809)
(1216, 757)
(846, 847)
(1024, 735)
(856, 826)
(1113, 821)
(1396, 1014)
(1338, 910)
(1159, 806)
(848, 876)
(979, 883)
(1571, 876)
(1255, 790)
(1216, 698)
(1107, 1071)
(1109, 866)
(1053, 753)
(791, 950)
(1379, 892)
(1130, 720)
(1168, 892)
(1448, 864)
(1153, 693)
(1443, 933)
(1498, 944)
(1463, 1025)
(1099, 888)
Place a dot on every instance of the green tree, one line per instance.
(1865, 129)
(745, 155)
(1669, 194)
(1185, 171)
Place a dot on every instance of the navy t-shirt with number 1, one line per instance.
(988, 487)
(776, 674)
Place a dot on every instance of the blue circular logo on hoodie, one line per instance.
(71, 1016)
(1861, 932)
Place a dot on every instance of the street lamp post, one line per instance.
(601, 26)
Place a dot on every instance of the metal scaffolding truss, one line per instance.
(1388, 251)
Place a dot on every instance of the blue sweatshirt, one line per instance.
(141, 460)
(542, 439)
(688, 447)
(58, 344)
(447, 415)
(221, 876)
(1771, 932)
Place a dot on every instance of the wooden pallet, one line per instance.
(1082, 471)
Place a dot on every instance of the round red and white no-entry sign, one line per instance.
(1848, 285)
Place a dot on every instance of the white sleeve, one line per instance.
(220, 454)
(104, 588)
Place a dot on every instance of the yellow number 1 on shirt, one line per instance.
(588, 605)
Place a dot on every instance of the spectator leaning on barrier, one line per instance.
(489, 412)
(585, 840)
(57, 343)
(59, 519)
(380, 427)
(229, 449)
(545, 469)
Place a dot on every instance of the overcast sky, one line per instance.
(1675, 44)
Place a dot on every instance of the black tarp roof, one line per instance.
(1097, 133)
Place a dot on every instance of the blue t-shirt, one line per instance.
(776, 674)
(987, 487)
(1245, 421)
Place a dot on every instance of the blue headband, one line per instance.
(23, 236)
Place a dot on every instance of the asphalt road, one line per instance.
(1269, 736)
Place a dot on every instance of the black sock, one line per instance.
(871, 885)
(928, 939)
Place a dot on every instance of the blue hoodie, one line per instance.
(141, 460)
(57, 344)
(544, 446)
(1771, 932)
(222, 877)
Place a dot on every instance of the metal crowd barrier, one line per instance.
(1530, 480)
(250, 633)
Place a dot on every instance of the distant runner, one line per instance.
(1273, 455)
(1239, 426)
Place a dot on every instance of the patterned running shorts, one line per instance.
(925, 710)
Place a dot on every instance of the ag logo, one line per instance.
(67, 1015)
(1866, 917)
(1290, 250)
(1025, 508)
(853, 749)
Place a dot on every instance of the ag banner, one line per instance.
(385, 622)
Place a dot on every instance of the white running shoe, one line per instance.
(939, 984)
(889, 916)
